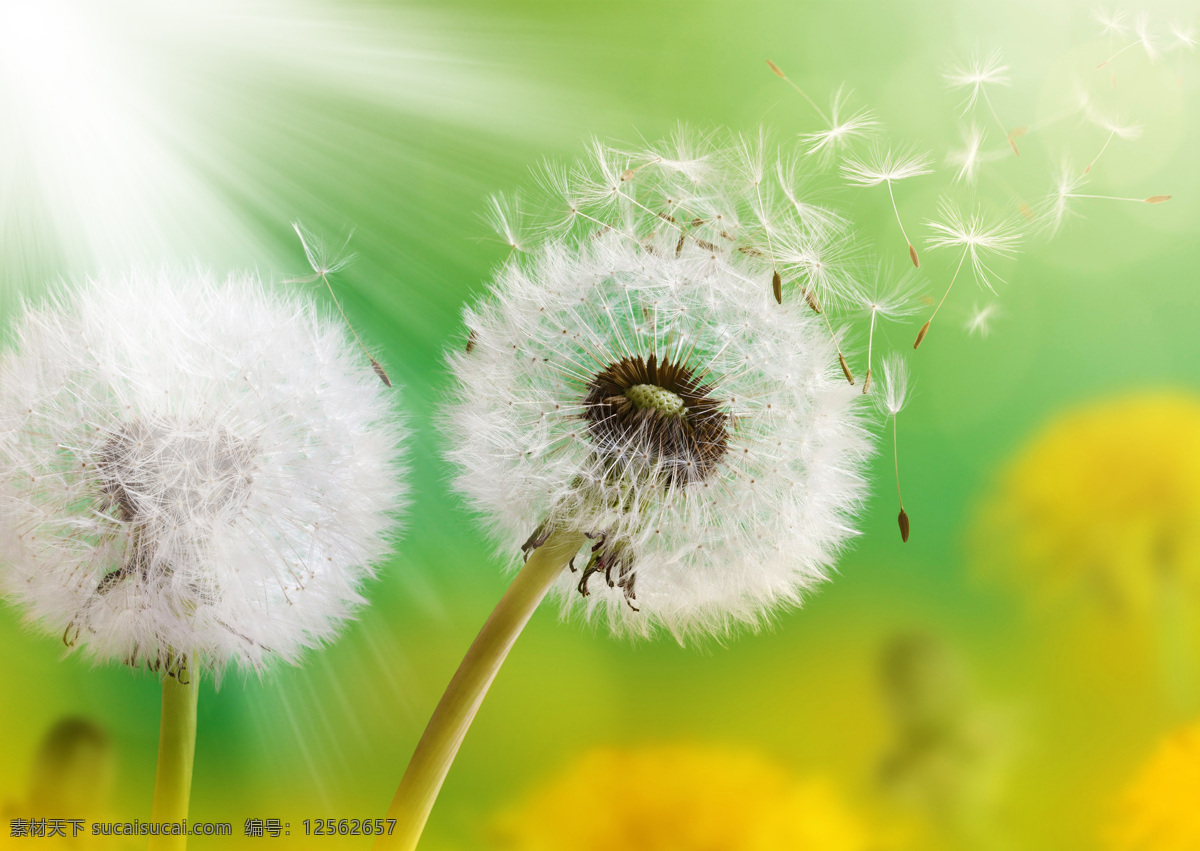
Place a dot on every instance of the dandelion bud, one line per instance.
(191, 470)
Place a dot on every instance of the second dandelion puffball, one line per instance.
(191, 468)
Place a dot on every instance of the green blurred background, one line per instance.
(142, 133)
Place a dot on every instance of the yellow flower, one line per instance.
(680, 798)
(1160, 810)
(1105, 500)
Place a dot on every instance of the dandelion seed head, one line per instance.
(637, 382)
(191, 467)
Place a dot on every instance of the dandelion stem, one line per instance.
(176, 751)
(440, 743)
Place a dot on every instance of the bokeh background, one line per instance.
(936, 699)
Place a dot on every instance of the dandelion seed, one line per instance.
(890, 400)
(504, 215)
(967, 160)
(198, 473)
(977, 238)
(1185, 41)
(1142, 38)
(817, 222)
(1185, 37)
(1115, 129)
(1112, 22)
(822, 262)
(977, 76)
(817, 109)
(1056, 207)
(888, 166)
(323, 264)
(890, 297)
(980, 321)
(844, 126)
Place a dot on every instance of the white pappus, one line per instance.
(191, 469)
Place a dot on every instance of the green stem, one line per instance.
(176, 751)
(438, 746)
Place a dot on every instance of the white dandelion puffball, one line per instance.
(191, 469)
(636, 380)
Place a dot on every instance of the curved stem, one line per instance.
(176, 751)
(439, 744)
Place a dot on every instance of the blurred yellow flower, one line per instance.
(1160, 810)
(680, 798)
(1105, 500)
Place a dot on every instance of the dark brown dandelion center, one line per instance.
(169, 479)
(648, 418)
(657, 416)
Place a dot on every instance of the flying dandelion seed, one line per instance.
(1057, 205)
(817, 109)
(504, 215)
(883, 165)
(844, 127)
(968, 158)
(1112, 23)
(325, 262)
(979, 323)
(890, 400)
(978, 239)
(977, 76)
(1185, 41)
(1142, 38)
(889, 297)
(1114, 127)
